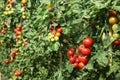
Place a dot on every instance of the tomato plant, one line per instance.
(59, 39)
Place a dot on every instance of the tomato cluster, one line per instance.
(55, 33)
(113, 20)
(80, 59)
(18, 31)
(18, 73)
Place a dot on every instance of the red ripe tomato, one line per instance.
(72, 49)
(52, 28)
(15, 30)
(6, 61)
(3, 31)
(14, 53)
(70, 53)
(76, 65)
(18, 73)
(59, 30)
(88, 42)
(19, 29)
(76, 55)
(18, 32)
(80, 47)
(86, 51)
(117, 42)
(77, 60)
(72, 60)
(25, 43)
(83, 59)
(81, 65)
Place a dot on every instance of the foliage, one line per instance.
(42, 59)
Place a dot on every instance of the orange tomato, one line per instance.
(18, 36)
(18, 73)
(24, 2)
(58, 34)
(113, 20)
(6, 61)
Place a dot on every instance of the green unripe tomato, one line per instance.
(56, 38)
(116, 35)
(52, 39)
(115, 27)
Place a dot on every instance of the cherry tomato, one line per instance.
(3, 31)
(80, 47)
(76, 65)
(115, 35)
(72, 60)
(114, 27)
(81, 65)
(54, 32)
(25, 43)
(24, 2)
(18, 73)
(76, 55)
(117, 42)
(52, 28)
(15, 30)
(86, 51)
(11, 2)
(73, 49)
(112, 13)
(18, 33)
(58, 34)
(19, 28)
(113, 20)
(83, 59)
(70, 53)
(88, 42)
(59, 30)
(77, 60)
(18, 36)
(6, 61)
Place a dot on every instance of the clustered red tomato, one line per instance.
(17, 73)
(18, 31)
(80, 59)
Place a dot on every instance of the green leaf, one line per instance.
(69, 67)
(56, 46)
(45, 1)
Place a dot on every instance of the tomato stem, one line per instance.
(110, 47)
(60, 55)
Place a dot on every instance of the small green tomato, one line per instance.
(56, 38)
(52, 39)
(116, 35)
(115, 27)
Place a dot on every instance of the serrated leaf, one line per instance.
(102, 60)
(69, 67)
(56, 46)
(45, 1)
